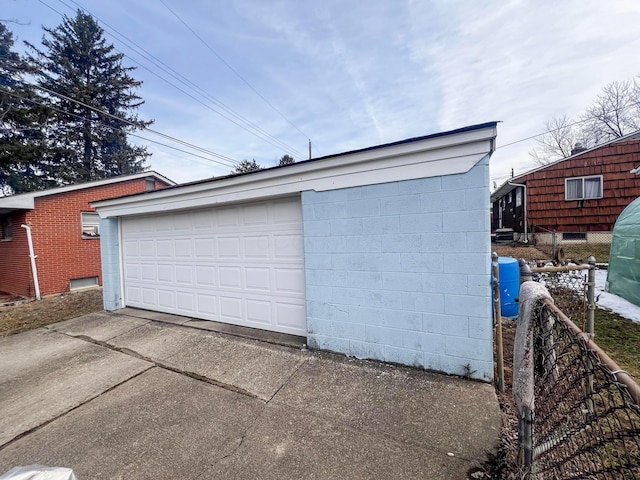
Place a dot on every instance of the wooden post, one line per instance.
(496, 308)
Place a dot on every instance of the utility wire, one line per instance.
(132, 134)
(246, 124)
(246, 82)
(132, 124)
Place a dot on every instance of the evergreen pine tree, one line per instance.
(93, 107)
(21, 119)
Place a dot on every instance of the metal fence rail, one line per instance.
(584, 420)
(569, 287)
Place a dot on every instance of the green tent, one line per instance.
(623, 276)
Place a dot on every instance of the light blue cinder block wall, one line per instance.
(400, 272)
(110, 260)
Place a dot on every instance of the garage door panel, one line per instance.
(288, 246)
(207, 304)
(256, 214)
(165, 274)
(182, 247)
(147, 249)
(257, 278)
(229, 247)
(184, 274)
(256, 247)
(185, 302)
(259, 311)
(230, 277)
(149, 297)
(240, 264)
(204, 248)
(289, 280)
(288, 313)
(231, 308)
(164, 248)
(205, 276)
(166, 298)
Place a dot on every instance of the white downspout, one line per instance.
(526, 237)
(33, 261)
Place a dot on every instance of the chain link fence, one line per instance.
(568, 286)
(578, 412)
(573, 247)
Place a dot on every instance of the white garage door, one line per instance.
(240, 264)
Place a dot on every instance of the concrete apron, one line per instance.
(118, 395)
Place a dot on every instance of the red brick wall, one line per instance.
(15, 266)
(57, 240)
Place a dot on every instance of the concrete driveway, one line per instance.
(138, 395)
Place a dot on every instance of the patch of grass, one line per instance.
(580, 252)
(619, 337)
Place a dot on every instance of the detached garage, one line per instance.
(378, 253)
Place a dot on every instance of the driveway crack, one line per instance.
(66, 412)
(164, 366)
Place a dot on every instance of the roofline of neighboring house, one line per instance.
(444, 153)
(509, 186)
(26, 201)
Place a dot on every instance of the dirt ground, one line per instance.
(519, 251)
(50, 309)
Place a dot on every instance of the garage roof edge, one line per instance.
(439, 154)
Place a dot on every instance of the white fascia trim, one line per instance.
(433, 157)
(26, 201)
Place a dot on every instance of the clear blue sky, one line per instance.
(353, 73)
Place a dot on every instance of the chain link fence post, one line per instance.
(525, 438)
(496, 308)
(591, 304)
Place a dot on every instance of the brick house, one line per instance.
(65, 234)
(579, 196)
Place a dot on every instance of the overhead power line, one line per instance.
(228, 65)
(220, 162)
(132, 124)
(246, 124)
(230, 115)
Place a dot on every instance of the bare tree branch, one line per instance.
(560, 139)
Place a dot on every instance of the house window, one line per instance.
(7, 229)
(90, 225)
(518, 197)
(77, 283)
(582, 188)
(509, 197)
(149, 184)
(574, 236)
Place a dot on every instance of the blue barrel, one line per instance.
(509, 271)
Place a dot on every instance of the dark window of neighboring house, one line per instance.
(90, 225)
(509, 197)
(582, 188)
(574, 236)
(7, 229)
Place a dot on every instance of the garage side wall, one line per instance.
(110, 259)
(400, 272)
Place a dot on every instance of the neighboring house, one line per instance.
(580, 195)
(65, 233)
(380, 253)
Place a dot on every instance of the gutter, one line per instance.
(33, 257)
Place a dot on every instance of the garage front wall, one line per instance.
(400, 272)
